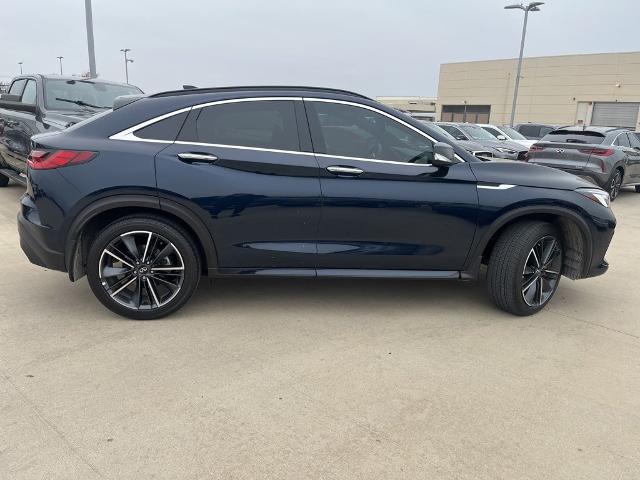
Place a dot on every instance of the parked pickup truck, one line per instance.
(47, 103)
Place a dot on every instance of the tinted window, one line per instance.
(622, 140)
(568, 136)
(262, 124)
(545, 130)
(16, 87)
(529, 130)
(512, 133)
(350, 131)
(29, 94)
(166, 129)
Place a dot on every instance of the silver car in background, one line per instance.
(505, 149)
(607, 156)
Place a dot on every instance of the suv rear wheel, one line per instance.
(525, 267)
(143, 267)
(614, 184)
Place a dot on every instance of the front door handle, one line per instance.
(345, 171)
(191, 157)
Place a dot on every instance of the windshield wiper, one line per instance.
(80, 103)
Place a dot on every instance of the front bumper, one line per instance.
(35, 238)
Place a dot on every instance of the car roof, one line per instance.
(257, 88)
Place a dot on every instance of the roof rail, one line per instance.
(193, 91)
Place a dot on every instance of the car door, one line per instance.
(633, 158)
(248, 170)
(384, 206)
(19, 124)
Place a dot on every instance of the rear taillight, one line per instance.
(601, 152)
(535, 148)
(44, 160)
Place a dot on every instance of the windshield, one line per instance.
(511, 133)
(475, 132)
(83, 94)
(440, 130)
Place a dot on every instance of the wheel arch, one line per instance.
(575, 233)
(101, 212)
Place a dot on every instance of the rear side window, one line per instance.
(530, 130)
(569, 136)
(166, 129)
(260, 124)
(622, 140)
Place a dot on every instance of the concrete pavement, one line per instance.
(330, 379)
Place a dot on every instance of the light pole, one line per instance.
(126, 62)
(531, 7)
(92, 53)
(60, 60)
(20, 63)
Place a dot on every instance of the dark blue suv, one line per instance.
(295, 181)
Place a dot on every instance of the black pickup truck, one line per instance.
(47, 103)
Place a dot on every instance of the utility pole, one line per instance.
(531, 7)
(126, 63)
(92, 53)
(60, 59)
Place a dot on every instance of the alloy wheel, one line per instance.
(542, 271)
(141, 270)
(616, 183)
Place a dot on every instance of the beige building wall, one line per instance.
(412, 104)
(555, 90)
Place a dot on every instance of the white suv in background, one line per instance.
(503, 132)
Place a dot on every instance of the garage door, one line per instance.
(615, 114)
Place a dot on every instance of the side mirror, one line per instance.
(443, 155)
(12, 102)
(501, 137)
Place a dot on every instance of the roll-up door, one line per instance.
(609, 114)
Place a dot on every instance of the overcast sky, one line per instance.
(377, 47)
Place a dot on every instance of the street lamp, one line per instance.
(531, 7)
(20, 63)
(126, 62)
(60, 60)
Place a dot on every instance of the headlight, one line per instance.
(506, 150)
(597, 195)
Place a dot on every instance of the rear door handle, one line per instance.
(192, 157)
(345, 171)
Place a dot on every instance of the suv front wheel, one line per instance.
(525, 267)
(143, 267)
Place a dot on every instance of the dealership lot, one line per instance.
(321, 379)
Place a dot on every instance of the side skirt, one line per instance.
(337, 273)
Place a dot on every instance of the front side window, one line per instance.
(29, 93)
(634, 141)
(17, 87)
(512, 133)
(261, 124)
(475, 132)
(454, 132)
(493, 131)
(352, 131)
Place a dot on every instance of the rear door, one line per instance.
(633, 158)
(566, 149)
(19, 125)
(248, 170)
(385, 207)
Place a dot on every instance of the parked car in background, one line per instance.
(534, 131)
(47, 103)
(607, 156)
(483, 153)
(295, 181)
(504, 132)
(472, 132)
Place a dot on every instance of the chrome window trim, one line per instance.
(129, 133)
(242, 147)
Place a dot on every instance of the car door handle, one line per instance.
(192, 157)
(345, 171)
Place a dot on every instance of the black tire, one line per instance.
(637, 188)
(509, 268)
(166, 234)
(4, 180)
(614, 184)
